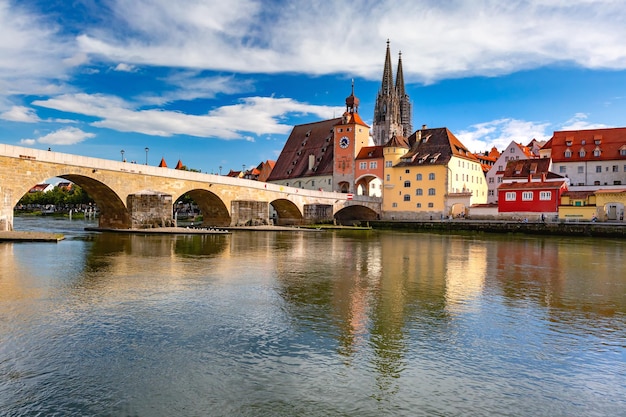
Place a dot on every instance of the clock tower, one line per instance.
(350, 135)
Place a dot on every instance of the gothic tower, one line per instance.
(392, 111)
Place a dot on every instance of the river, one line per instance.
(336, 323)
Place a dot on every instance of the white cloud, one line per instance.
(34, 57)
(440, 39)
(20, 114)
(579, 122)
(65, 136)
(125, 67)
(258, 115)
(190, 85)
(499, 133)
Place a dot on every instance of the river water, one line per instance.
(311, 324)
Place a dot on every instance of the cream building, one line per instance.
(430, 175)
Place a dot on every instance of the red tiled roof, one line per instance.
(179, 165)
(308, 139)
(434, 146)
(522, 168)
(370, 152)
(532, 185)
(607, 141)
(162, 164)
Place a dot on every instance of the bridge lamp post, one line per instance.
(147, 149)
(220, 167)
(122, 152)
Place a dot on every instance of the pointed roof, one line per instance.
(179, 165)
(400, 78)
(352, 102)
(397, 142)
(162, 164)
(434, 146)
(387, 82)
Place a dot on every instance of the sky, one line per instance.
(219, 85)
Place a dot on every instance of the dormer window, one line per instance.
(622, 150)
(568, 153)
(597, 152)
(583, 142)
(568, 142)
(582, 153)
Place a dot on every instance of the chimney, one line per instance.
(311, 161)
(543, 177)
(424, 127)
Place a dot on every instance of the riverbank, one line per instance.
(27, 236)
(584, 229)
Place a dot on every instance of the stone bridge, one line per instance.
(131, 195)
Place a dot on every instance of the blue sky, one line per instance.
(221, 83)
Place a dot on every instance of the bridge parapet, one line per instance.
(112, 183)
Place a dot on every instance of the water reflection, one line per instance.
(307, 323)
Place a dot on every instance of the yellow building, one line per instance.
(599, 205)
(430, 175)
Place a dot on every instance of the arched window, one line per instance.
(431, 176)
(418, 177)
(407, 197)
(431, 191)
(419, 191)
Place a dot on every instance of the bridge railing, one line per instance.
(135, 168)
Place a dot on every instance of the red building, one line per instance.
(531, 196)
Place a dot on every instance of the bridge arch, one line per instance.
(355, 213)
(113, 211)
(214, 211)
(287, 212)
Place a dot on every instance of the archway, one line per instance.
(285, 213)
(353, 215)
(208, 205)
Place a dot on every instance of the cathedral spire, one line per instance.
(400, 78)
(387, 83)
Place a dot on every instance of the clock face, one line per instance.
(344, 142)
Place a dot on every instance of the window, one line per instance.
(431, 176)
(622, 152)
(527, 196)
(407, 197)
(419, 205)
(545, 195)
(388, 164)
(510, 196)
(394, 204)
(581, 169)
(418, 177)
(582, 153)
(490, 180)
(597, 152)
(419, 191)
(406, 171)
(430, 205)
(431, 191)
(615, 169)
(312, 183)
(363, 165)
(373, 165)
(598, 168)
(407, 184)
(512, 150)
(490, 193)
(568, 153)
(562, 169)
(388, 177)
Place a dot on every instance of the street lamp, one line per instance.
(220, 169)
(147, 149)
(122, 152)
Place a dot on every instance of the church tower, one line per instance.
(392, 111)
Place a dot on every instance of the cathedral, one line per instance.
(392, 112)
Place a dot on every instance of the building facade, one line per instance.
(321, 155)
(430, 175)
(513, 152)
(591, 158)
